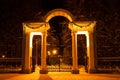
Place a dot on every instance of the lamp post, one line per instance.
(59, 62)
(49, 54)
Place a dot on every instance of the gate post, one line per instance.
(91, 59)
(27, 55)
(75, 69)
(43, 54)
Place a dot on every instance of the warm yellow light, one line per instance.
(54, 51)
(86, 34)
(3, 56)
(31, 36)
(49, 53)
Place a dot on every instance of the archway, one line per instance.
(59, 48)
(58, 12)
(76, 27)
(69, 16)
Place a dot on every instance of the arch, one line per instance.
(58, 12)
(77, 27)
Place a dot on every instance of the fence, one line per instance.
(109, 64)
(59, 64)
(10, 64)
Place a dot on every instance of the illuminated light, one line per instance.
(31, 36)
(3, 56)
(54, 51)
(49, 53)
(86, 34)
(87, 40)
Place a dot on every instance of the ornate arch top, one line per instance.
(58, 12)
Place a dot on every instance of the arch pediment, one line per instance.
(82, 25)
(35, 27)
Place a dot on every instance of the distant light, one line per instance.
(3, 56)
(49, 53)
(54, 51)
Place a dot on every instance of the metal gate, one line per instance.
(59, 64)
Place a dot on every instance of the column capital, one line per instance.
(90, 32)
(73, 33)
(28, 33)
(44, 33)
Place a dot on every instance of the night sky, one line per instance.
(13, 13)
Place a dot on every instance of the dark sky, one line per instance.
(14, 12)
(23, 10)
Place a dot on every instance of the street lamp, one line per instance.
(54, 51)
(59, 62)
(3, 56)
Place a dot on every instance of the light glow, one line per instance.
(49, 53)
(31, 36)
(54, 51)
(3, 56)
(86, 34)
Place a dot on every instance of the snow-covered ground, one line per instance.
(59, 76)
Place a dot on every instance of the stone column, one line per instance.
(75, 69)
(27, 55)
(91, 57)
(43, 54)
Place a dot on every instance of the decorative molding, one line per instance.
(35, 26)
(83, 26)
